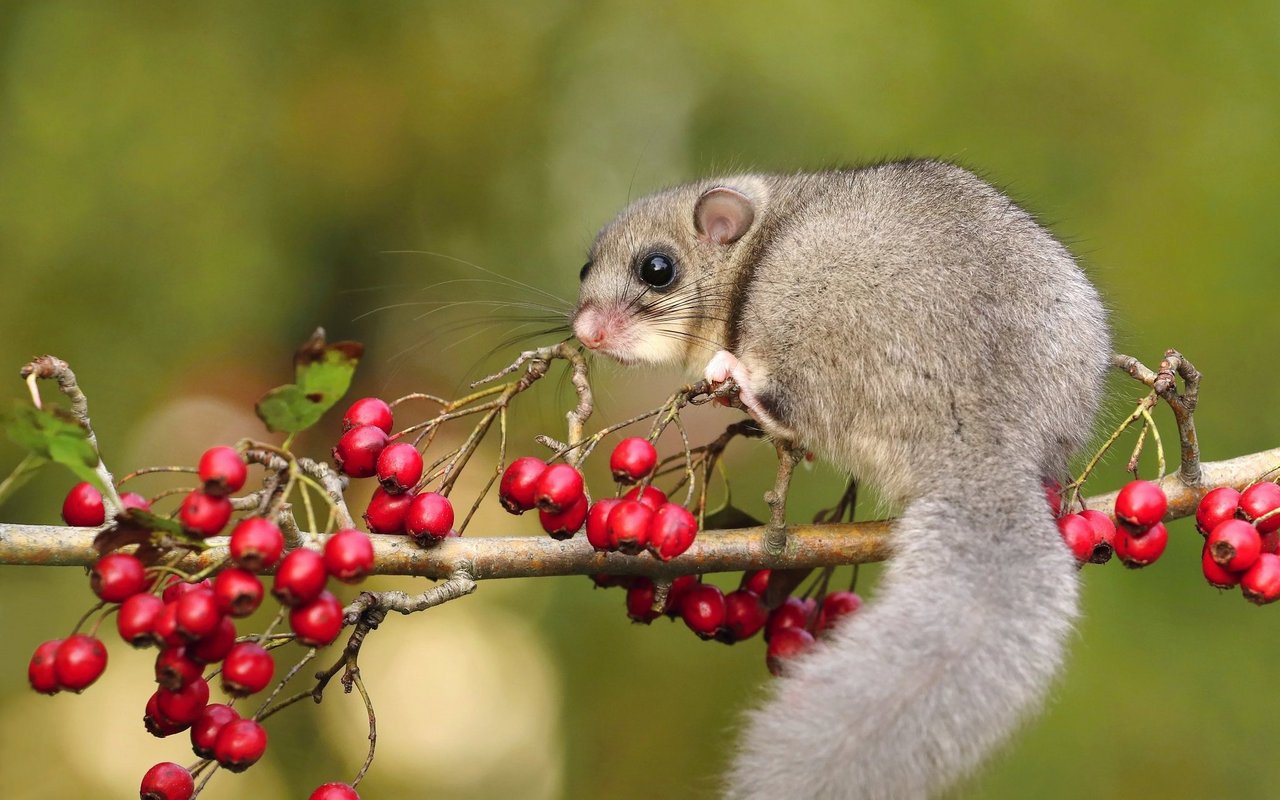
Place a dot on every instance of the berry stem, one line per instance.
(85, 617)
(373, 726)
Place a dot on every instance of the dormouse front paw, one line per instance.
(724, 366)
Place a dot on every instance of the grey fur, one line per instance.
(914, 326)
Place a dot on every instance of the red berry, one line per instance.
(651, 497)
(386, 511)
(597, 522)
(205, 730)
(203, 514)
(640, 601)
(319, 622)
(1259, 500)
(786, 644)
(564, 524)
(176, 587)
(79, 661)
(256, 543)
(1141, 550)
(83, 507)
(158, 724)
(175, 670)
(603, 581)
(676, 593)
(1214, 573)
(744, 614)
(136, 620)
(756, 580)
(629, 526)
(1235, 545)
(1261, 583)
(117, 576)
(518, 487)
(671, 531)
(368, 411)
(356, 453)
(167, 781)
(348, 555)
(214, 647)
(703, 609)
(334, 791)
(1053, 494)
(134, 500)
(1216, 507)
(239, 745)
(183, 706)
(793, 613)
(223, 470)
(632, 459)
(300, 578)
(247, 669)
(1141, 504)
(41, 673)
(835, 606)
(399, 467)
(198, 614)
(1105, 530)
(429, 518)
(1079, 535)
(238, 592)
(166, 627)
(559, 486)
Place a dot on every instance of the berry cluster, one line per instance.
(1138, 540)
(1242, 535)
(366, 450)
(190, 619)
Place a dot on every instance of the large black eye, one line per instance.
(658, 270)
(582, 276)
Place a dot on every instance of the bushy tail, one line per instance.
(961, 643)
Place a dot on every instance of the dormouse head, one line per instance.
(658, 283)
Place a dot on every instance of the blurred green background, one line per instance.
(186, 190)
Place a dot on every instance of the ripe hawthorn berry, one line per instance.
(176, 587)
(1234, 544)
(703, 610)
(348, 555)
(429, 518)
(671, 531)
(157, 724)
(198, 614)
(1140, 550)
(166, 627)
(167, 781)
(334, 791)
(564, 524)
(1259, 500)
(78, 662)
(319, 622)
(183, 706)
(136, 620)
(598, 520)
(1261, 582)
(133, 500)
(1053, 494)
(1216, 507)
(238, 592)
(214, 647)
(744, 614)
(793, 613)
(223, 470)
(174, 669)
(240, 744)
(680, 587)
(356, 453)
(300, 578)
(247, 669)
(83, 507)
(399, 467)
(117, 576)
(204, 731)
(1079, 536)
(385, 513)
(1214, 573)
(41, 673)
(1105, 530)
(204, 514)
(256, 543)
(628, 526)
(368, 411)
(640, 594)
(651, 497)
(632, 459)
(835, 606)
(558, 487)
(519, 485)
(756, 580)
(785, 645)
(1141, 504)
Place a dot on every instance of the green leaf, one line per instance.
(322, 373)
(54, 434)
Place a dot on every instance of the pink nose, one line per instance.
(589, 327)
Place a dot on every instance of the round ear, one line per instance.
(723, 215)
